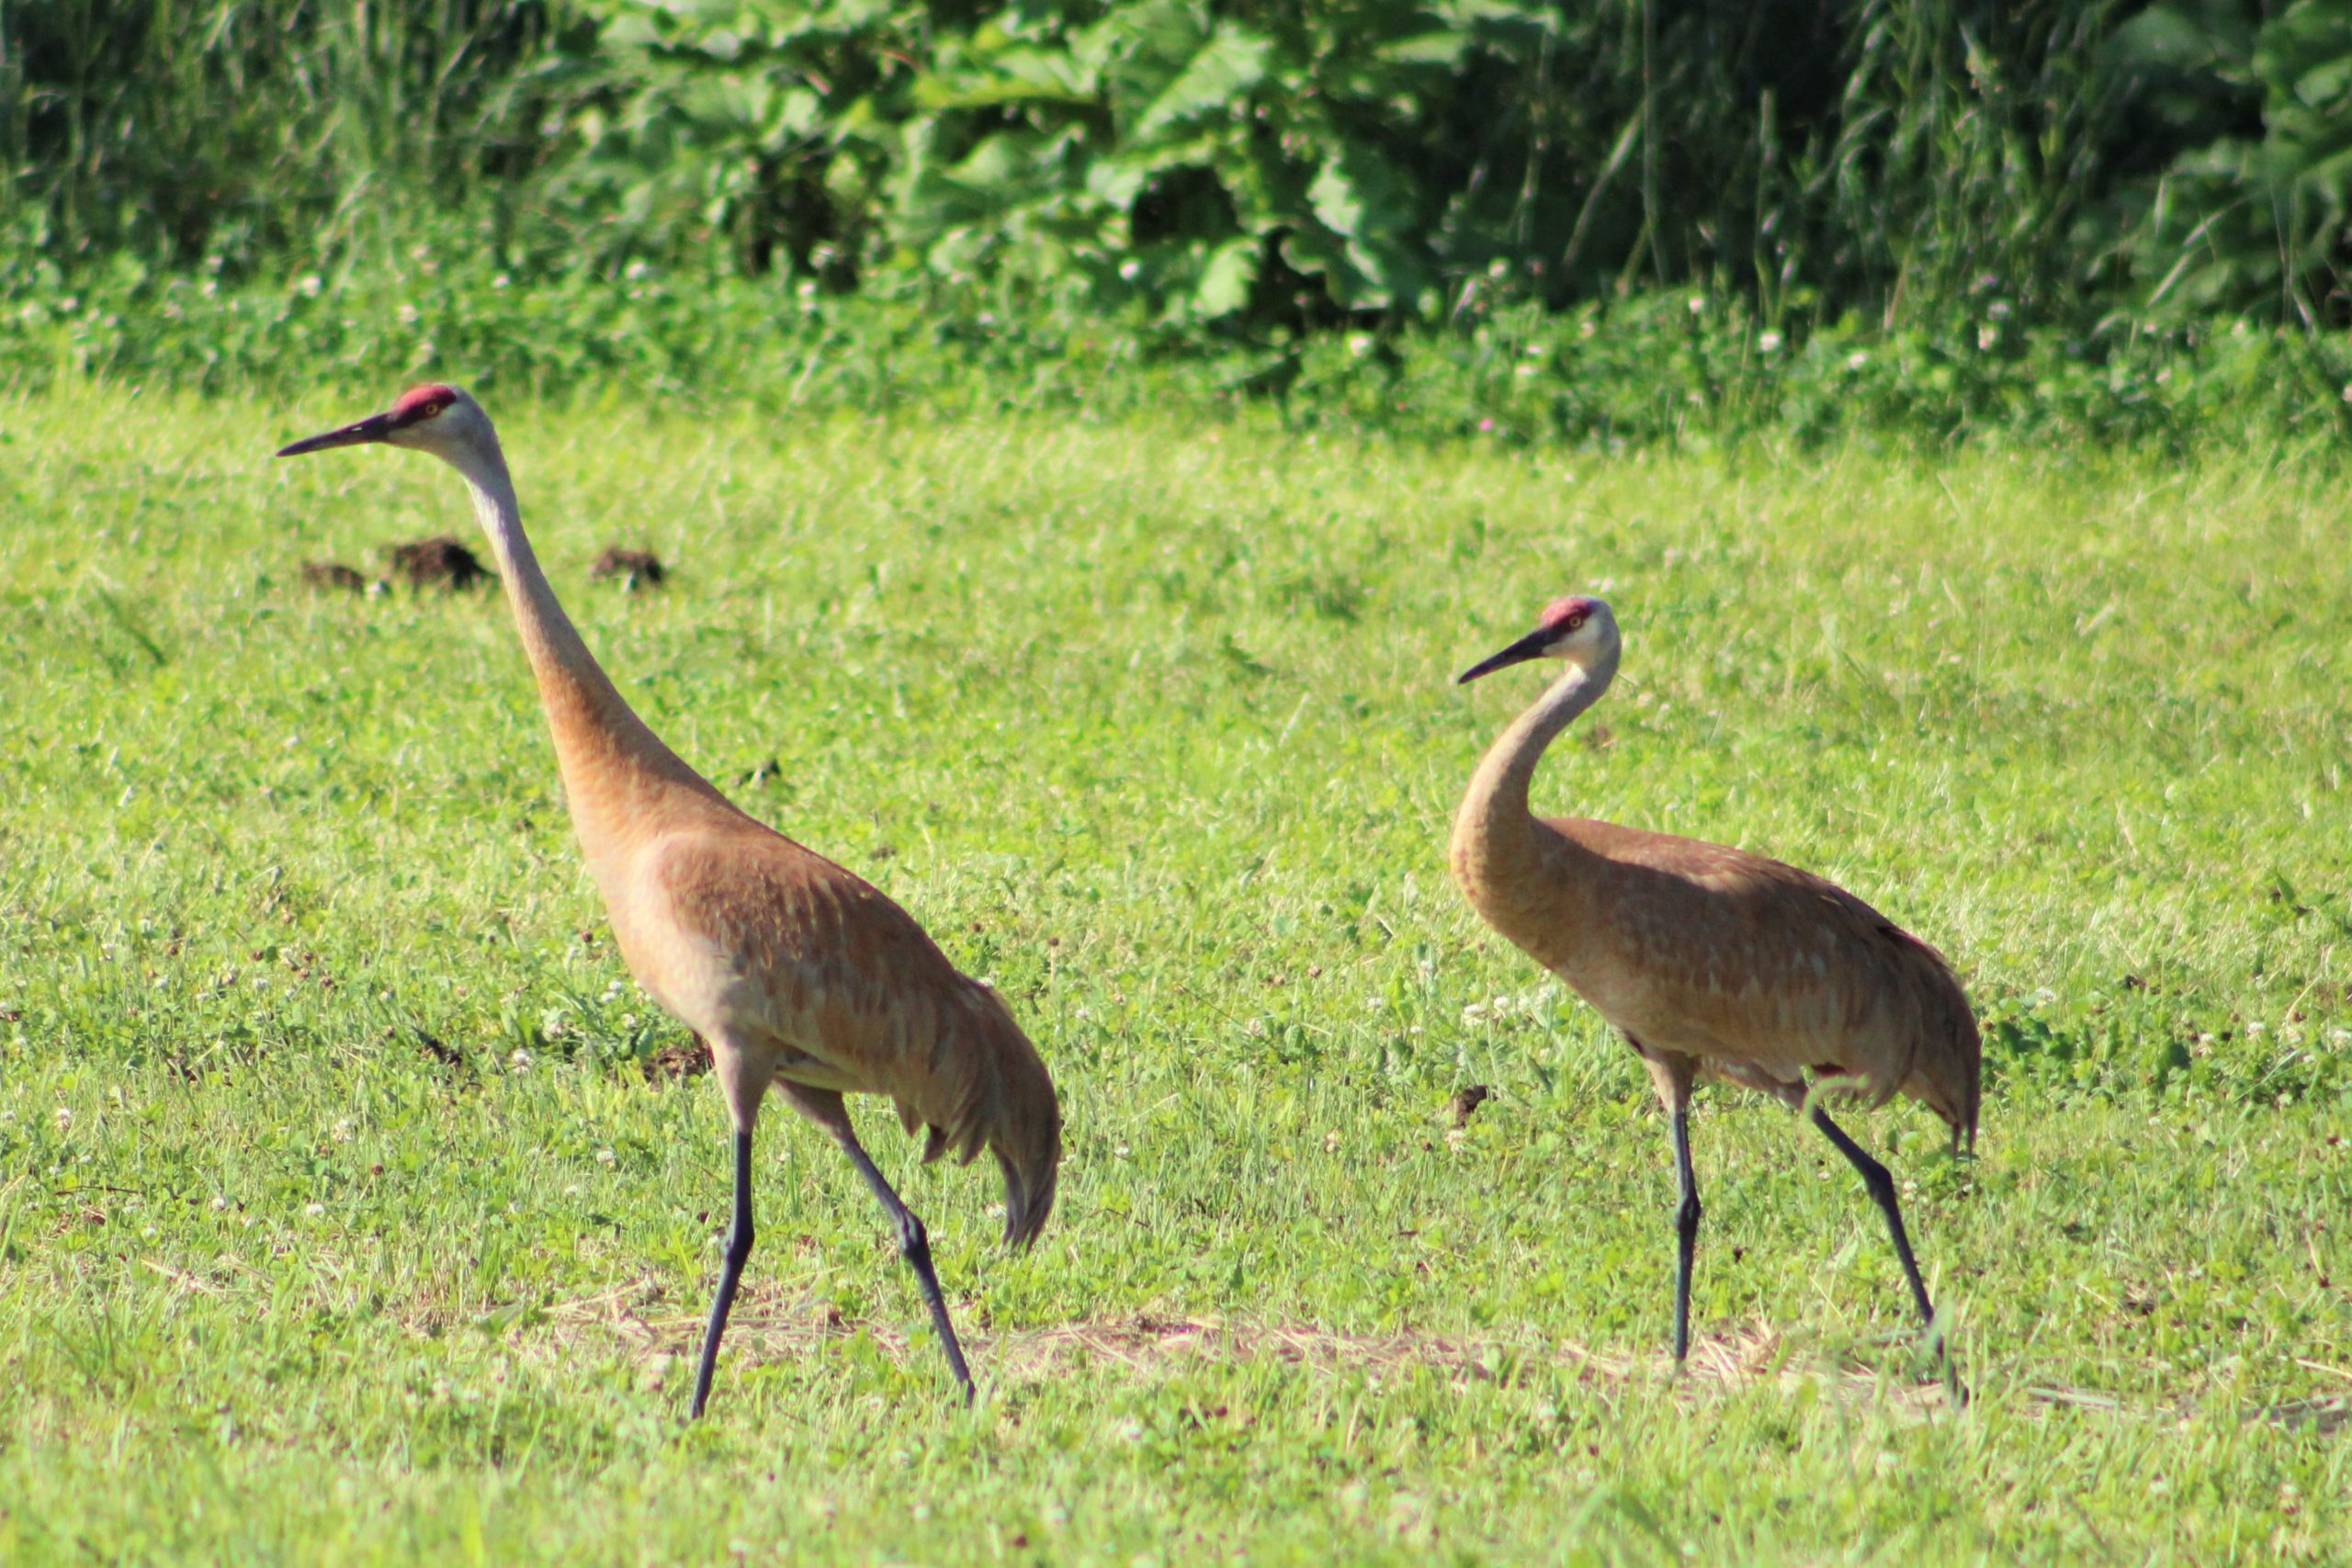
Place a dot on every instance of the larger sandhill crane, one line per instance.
(1706, 958)
(798, 974)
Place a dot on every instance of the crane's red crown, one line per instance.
(421, 402)
(1560, 612)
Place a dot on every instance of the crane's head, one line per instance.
(1577, 630)
(431, 418)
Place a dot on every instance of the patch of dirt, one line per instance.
(442, 561)
(333, 576)
(634, 569)
(773, 1324)
(1465, 1102)
(686, 1059)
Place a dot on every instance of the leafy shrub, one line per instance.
(1647, 368)
(1230, 168)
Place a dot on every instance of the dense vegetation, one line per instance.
(1623, 219)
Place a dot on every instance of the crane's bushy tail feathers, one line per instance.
(1026, 1138)
(1001, 1099)
(1948, 1065)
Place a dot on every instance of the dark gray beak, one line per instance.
(1531, 646)
(375, 428)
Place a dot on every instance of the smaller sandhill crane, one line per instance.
(1708, 959)
(798, 974)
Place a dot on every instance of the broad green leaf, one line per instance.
(1225, 287)
(1217, 80)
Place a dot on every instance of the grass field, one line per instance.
(1154, 727)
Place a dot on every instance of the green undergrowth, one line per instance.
(1686, 369)
(350, 1211)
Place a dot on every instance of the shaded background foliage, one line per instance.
(1235, 168)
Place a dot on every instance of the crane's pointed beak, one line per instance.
(1531, 646)
(374, 429)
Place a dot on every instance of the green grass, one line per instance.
(1154, 726)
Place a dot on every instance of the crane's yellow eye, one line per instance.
(1576, 620)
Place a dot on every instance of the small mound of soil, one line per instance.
(686, 1059)
(636, 569)
(441, 559)
(328, 575)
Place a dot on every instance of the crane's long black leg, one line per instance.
(730, 1273)
(1686, 1232)
(1881, 1190)
(914, 1246)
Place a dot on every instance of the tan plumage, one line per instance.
(798, 974)
(1709, 960)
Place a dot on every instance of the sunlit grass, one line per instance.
(1153, 727)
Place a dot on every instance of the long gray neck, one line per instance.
(614, 767)
(1495, 817)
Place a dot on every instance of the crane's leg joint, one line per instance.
(738, 1245)
(740, 1235)
(914, 1241)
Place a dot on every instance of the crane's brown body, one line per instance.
(1749, 970)
(797, 974)
(1712, 962)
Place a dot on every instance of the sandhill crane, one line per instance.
(797, 974)
(1706, 958)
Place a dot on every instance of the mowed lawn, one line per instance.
(1155, 727)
